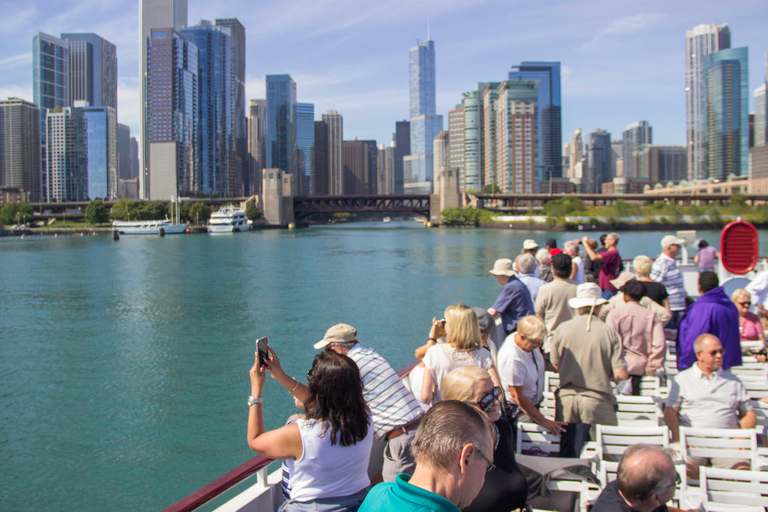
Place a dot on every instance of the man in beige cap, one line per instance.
(619, 300)
(396, 413)
(514, 302)
(665, 271)
(588, 354)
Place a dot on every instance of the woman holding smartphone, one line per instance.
(327, 452)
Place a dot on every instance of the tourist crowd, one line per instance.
(448, 430)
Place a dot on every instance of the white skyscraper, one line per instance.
(700, 42)
(153, 14)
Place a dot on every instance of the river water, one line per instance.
(124, 364)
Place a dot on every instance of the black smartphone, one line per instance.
(262, 347)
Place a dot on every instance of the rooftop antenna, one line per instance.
(428, 29)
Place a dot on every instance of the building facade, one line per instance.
(635, 135)
(660, 164)
(152, 14)
(92, 70)
(700, 42)
(336, 174)
(425, 123)
(321, 158)
(281, 123)
(360, 167)
(402, 139)
(257, 144)
(598, 155)
(515, 130)
(456, 143)
(727, 92)
(386, 170)
(472, 104)
(305, 148)
(20, 146)
(441, 151)
(761, 117)
(549, 116)
(172, 121)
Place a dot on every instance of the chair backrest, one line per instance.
(547, 405)
(730, 443)
(551, 381)
(611, 442)
(757, 387)
(607, 472)
(534, 439)
(709, 506)
(651, 386)
(639, 410)
(734, 486)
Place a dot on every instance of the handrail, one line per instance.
(229, 480)
(220, 485)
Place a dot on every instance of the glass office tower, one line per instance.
(305, 148)
(281, 123)
(93, 70)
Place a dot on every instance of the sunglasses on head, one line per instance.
(486, 403)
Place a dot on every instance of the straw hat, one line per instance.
(503, 267)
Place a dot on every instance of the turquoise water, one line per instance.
(124, 367)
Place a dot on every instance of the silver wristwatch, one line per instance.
(253, 400)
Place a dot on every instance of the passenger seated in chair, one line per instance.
(645, 481)
(706, 396)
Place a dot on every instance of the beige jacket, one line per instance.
(618, 300)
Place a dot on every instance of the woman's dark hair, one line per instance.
(336, 396)
(703, 244)
(634, 289)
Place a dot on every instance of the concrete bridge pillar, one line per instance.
(446, 192)
(277, 197)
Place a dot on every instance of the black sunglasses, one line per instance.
(713, 353)
(488, 400)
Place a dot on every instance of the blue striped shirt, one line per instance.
(665, 271)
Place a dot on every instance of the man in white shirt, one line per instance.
(706, 396)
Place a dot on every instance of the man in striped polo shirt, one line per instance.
(396, 413)
(665, 271)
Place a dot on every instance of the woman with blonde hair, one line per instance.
(505, 486)
(653, 290)
(750, 327)
(462, 347)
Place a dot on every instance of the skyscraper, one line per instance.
(598, 154)
(440, 148)
(152, 14)
(761, 116)
(335, 124)
(172, 116)
(305, 148)
(92, 70)
(215, 83)
(20, 146)
(574, 153)
(727, 93)
(386, 170)
(473, 139)
(635, 135)
(515, 115)
(257, 144)
(549, 159)
(281, 123)
(360, 166)
(456, 142)
(425, 123)
(237, 39)
(700, 42)
(321, 158)
(124, 152)
(402, 149)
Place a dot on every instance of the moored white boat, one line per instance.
(228, 220)
(148, 227)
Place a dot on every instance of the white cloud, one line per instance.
(623, 26)
(13, 61)
(23, 91)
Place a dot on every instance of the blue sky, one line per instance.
(622, 60)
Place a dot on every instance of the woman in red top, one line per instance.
(611, 263)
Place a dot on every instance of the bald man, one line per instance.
(645, 481)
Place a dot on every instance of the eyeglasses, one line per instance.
(744, 304)
(713, 353)
(487, 402)
(673, 484)
(491, 465)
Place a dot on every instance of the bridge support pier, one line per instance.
(277, 197)
(446, 193)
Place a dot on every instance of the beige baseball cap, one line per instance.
(339, 333)
(623, 279)
(671, 240)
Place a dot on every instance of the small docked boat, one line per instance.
(228, 220)
(148, 227)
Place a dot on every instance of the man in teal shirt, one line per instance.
(453, 451)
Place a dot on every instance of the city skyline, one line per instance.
(618, 64)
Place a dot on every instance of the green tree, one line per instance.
(563, 206)
(491, 188)
(96, 212)
(465, 216)
(251, 211)
(199, 213)
(15, 213)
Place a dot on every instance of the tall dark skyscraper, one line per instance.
(635, 135)
(425, 123)
(20, 146)
(305, 148)
(216, 152)
(598, 154)
(549, 150)
(360, 167)
(281, 123)
(239, 113)
(402, 149)
(257, 140)
(92, 70)
(321, 158)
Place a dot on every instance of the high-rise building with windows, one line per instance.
(360, 166)
(425, 123)
(237, 40)
(20, 146)
(660, 163)
(321, 158)
(515, 115)
(635, 135)
(386, 170)
(598, 154)
(124, 166)
(727, 92)
(305, 148)
(549, 159)
(761, 116)
(152, 14)
(441, 151)
(281, 123)
(335, 124)
(257, 144)
(474, 171)
(216, 129)
(92, 70)
(700, 42)
(402, 139)
(172, 116)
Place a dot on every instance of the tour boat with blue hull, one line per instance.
(228, 220)
(148, 227)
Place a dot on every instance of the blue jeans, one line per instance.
(607, 294)
(339, 504)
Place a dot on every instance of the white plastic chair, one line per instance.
(547, 405)
(729, 486)
(533, 437)
(611, 442)
(710, 506)
(639, 411)
(732, 443)
(551, 381)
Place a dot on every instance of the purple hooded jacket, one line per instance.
(712, 313)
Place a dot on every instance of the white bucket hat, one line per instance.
(530, 244)
(503, 267)
(587, 294)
